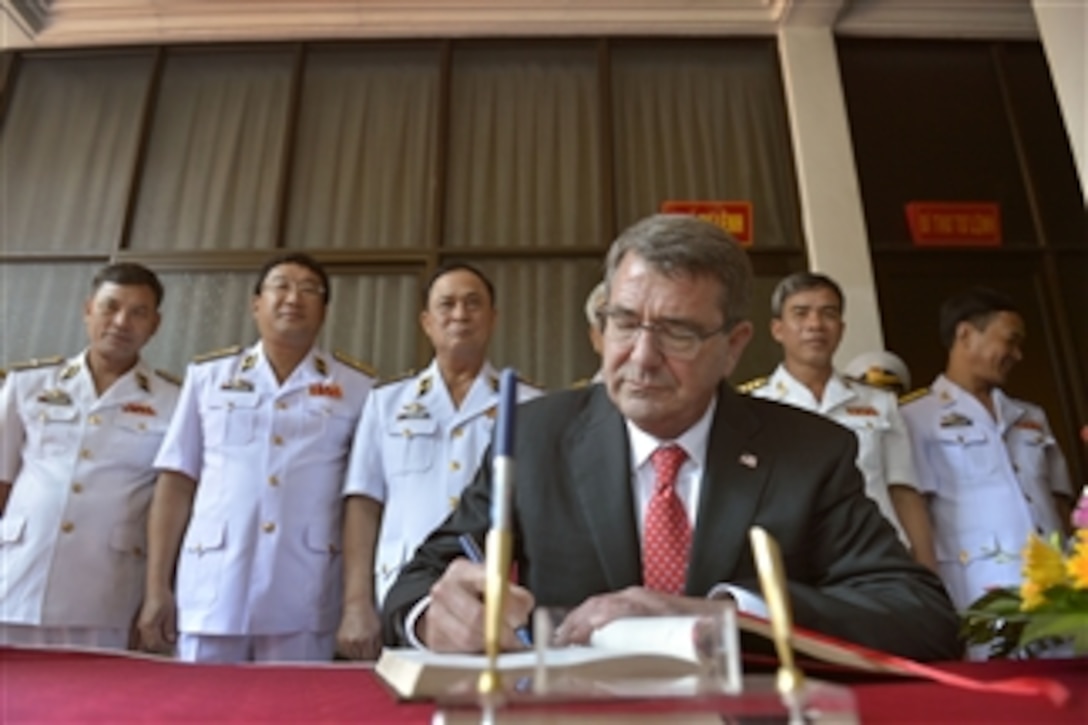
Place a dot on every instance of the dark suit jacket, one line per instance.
(576, 535)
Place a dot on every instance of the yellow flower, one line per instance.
(1031, 596)
(1043, 568)
(1077, 566)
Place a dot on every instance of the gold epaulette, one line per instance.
(354, 364)
(913, 395)
(396, 378)
(37, 362)
(581, 383)
(168, 377)
(753, 385)
(217, 354)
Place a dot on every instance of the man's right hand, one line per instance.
(360, 633)
(158, 623)
(454, 621)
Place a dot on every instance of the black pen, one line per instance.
(473, 553)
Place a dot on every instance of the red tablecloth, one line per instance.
(59, 686)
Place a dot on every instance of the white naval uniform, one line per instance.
(415, 453)
(74, 533)
(990, 483)
(884, 453)
(261, 553)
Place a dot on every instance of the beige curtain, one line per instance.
(703, 120)
(216, 153)
(365, 150)
(524, 162)
(41, 309)
(68, 150)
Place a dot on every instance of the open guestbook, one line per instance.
(626, 649)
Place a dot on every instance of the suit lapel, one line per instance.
(598, 457)
(732, 487)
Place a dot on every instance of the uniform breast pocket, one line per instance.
(58, 428)
(1028, 452)
(411, 445)
(233, 417)
(870, 432)
(968, 455)
(143, 432)
(332, 423)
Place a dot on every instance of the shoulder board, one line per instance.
(217, 354)
(38, 362)
(581, 383)
(168, 377)
(913, 395)
(753, 384)
(396, 378)
(354, 364)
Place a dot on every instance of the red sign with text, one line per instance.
(954, 224)
(734, 217)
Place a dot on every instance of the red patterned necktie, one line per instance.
(666, 532)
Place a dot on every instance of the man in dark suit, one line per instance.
(602, 525)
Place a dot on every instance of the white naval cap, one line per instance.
(880, 368)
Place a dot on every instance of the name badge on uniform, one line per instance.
(237, 385)
(55, 397)
(413, 411)
(867, 410)
(955, 420)
(326, 390)
(138, 409)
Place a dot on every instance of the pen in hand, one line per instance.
(473, 553)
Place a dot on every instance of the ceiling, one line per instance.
(77, 23)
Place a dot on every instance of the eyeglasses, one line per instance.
(281, 287)
(673, 339)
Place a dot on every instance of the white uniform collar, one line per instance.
(314, 367)
(483, 393)
(788, 389)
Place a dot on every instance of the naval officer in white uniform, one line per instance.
(807, 321)
(247, 505)
(988, 463)
(418, 446)
(77, 440)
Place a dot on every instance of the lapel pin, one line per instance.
(748, 460)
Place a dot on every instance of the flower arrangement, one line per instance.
(1050, 607)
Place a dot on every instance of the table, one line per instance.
(68, 686)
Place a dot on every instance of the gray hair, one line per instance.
(802, 282)
(597, 298)
(678, 244)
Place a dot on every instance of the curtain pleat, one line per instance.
(703, 121)
(216, 153)
(524, 161)
(68, 150)
(365, 149)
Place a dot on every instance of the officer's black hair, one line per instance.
(444, 269)
(977, 305)
(129, 274)
(302, 260)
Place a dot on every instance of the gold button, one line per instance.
(269, 527)
(458, 432)
(94, 420)
(138, 551)
(77, 488)
(280, 405)
(455, 466)
(85, 453)
(67, 527)
(142, 426)
(964, 556)
(277, 440)
(273, 481)
(454, 500)
(407, 433)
